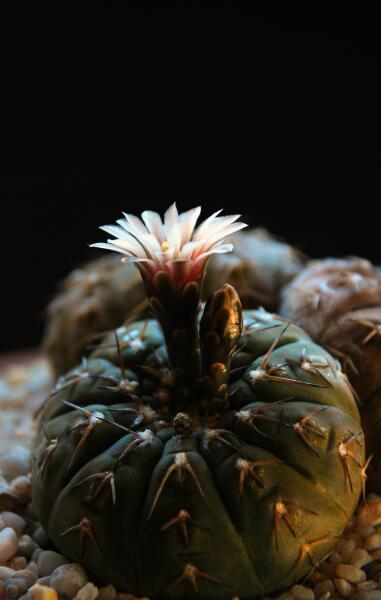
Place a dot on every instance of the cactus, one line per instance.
(105, 292)
(94, 299)
(217, 456)
(338, 301)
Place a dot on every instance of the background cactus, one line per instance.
(105, 292)
(338, 301)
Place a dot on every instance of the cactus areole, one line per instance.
(211, 456)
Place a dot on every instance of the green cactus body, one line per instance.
(169, 496)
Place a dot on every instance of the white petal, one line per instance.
(174, 238)
(121, 234)
(218, 249)
(215, 237)
(190, 248)
(200, 231)
(134, 248)
(137, 227)
(105, 246)
(221, 223)
(147, 240)
(187, 222)
(171, 218)
(154, 224)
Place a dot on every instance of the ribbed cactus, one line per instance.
(338, 301)
(186, 457)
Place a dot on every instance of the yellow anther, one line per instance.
(164, 246)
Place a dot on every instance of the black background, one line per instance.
(273, 118)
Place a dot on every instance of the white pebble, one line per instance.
(366, 585)
(15, 462)
(18, 563)
(347, 551)
(12, 520)
(360, 557)
(26, 545)
(344, 588)
(67, 580)
(300, 592)
(6, 572)
(373, 542)
(21, 486)
(350, 573)
(88, 592)
(8, 543)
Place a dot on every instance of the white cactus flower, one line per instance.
(174, 245)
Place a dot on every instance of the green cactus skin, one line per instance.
(162, 499)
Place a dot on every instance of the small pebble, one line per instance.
(10, 519)
(366, 530)
(36, 553)
(315, 577)
(16, 587)
(347, 551)
(26, 545)
(300, 592)
(373, 542)
(6, 572)
(335, 558)
(323, 586)
(356, 538)
(32, 567)
(366, 585)
(88, 592)
(43, 592)
(29, 574)
(21, 486)
(360, 557)
(108, 592)
(68, 579)
(8, 543)
(367, 595)
(48, 560)
(350, 573)
(344, 588)
(15, 462)
(43, 580)
(370, 514)
(18, 563)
